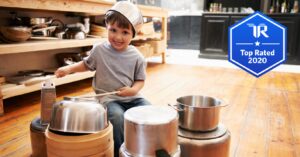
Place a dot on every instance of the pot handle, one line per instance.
(161, 153)
(173, 106)
(223, 103)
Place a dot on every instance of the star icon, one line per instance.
(257, 43)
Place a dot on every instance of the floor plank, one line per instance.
(263, 114)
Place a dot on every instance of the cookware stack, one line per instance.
(200, 133)
(150, 131)
(79, 128)
(75, 126)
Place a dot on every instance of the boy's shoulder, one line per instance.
(137, 51)
(99, 44)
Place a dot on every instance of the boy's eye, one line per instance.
(125, 32)
(113, 30)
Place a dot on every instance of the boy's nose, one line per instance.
(118, 36)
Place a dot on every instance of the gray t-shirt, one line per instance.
(115, 69)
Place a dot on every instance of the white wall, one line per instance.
(180, 5)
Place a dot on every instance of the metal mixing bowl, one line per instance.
(131, 12)
(15, 33)
(77, 115)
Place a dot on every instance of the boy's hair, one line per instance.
(113, 16)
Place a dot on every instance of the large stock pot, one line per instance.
(199, 113)
(148, 129)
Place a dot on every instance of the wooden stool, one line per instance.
(92, 145)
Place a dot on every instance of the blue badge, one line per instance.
(257, 44)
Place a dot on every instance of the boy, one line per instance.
(119, 67)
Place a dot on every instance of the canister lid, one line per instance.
(218, 132)
(151, 115)
(37, 125)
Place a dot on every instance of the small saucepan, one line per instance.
(199, 113)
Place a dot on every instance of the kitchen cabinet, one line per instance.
(77, 7)
(292, 25)
(214, 34)
(184, 32)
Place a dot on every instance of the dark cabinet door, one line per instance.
(214, 34)
(194, 33)
(292, 25)
(179, 26)
(184, 32)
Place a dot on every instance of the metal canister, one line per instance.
(148, 129)
(38, 139)
(48, 97)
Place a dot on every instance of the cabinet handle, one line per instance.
(215, 20)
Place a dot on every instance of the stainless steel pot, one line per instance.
(78, 115)
(150, 128)
(74, 33)
(199, 113)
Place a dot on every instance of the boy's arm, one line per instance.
(77, 67)
(138, 85)
(131, 91)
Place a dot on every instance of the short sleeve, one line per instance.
(140, 69)
(90, 60)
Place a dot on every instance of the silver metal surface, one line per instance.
(150, 128)
(48, 97)
(216, 147)
(124, 153)
(218, 132)
(131, 12)
(78, 116)
(199, 113)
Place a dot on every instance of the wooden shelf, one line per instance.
(155, 36)
(91, 7)
(40, 45)
(22, 89)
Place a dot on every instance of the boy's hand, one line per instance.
(61, 72)
(127, 91)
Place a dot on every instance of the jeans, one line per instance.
(116, 110)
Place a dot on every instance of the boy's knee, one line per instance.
(116, 117)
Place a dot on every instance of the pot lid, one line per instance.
(151, 115)
(199, 135)
(37, 125)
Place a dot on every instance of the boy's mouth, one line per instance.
(118, 43)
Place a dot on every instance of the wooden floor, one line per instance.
(263, 115)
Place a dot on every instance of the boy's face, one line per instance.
(119, 37)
